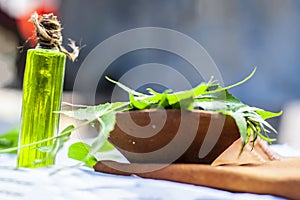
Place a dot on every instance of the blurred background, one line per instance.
(238, 35)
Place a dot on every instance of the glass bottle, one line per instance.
(42, 95)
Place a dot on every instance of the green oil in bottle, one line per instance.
(42, 94)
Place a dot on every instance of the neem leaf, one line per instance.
(81, 152)
(107, 146)
(127, 89)
(89, 113)
(185, 104)
(230, 98)
(211, 105)
(163, 101)
(73, 105)
(109, 119)
(200, 89)
(57, 145)
(10, 139)
(264, 123)
(267, 114)
(155, 97)
(266, 138)
(106, 125)
(140, 105)
(119, 106)
(234, 85)
(241, 124)
(153, 92)
(179, 96)
(61, 139)
(218, 101)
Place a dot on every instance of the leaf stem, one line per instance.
(44, 140)
(234, 85)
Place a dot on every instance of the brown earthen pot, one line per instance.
(173, 136)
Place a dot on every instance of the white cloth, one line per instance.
(84, 183)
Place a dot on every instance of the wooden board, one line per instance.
(258, 171)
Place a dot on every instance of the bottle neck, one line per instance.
(41, 46)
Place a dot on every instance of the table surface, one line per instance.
(63, 182)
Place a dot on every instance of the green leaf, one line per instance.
(270, 140)
(185, 104)
(200, 89)
(177, 97)
(234, 85)
(89, 113)
(267, 114)
(229, 97)
(155, 97)
(163, 101)
(10, 139)
(119, 107)
(140, 105)
(81, 152)
(248, 110)
(61, 139)
(241, 124)
(154, 93)
(107, 146)
(57, 145)
(107, 124)
(211, 105)
(125, 88)
(109, 119)
(218, 101)
(264, 123)
(41, 141)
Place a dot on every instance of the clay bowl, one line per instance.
(173, 136)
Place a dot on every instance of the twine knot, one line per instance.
(48, 32)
